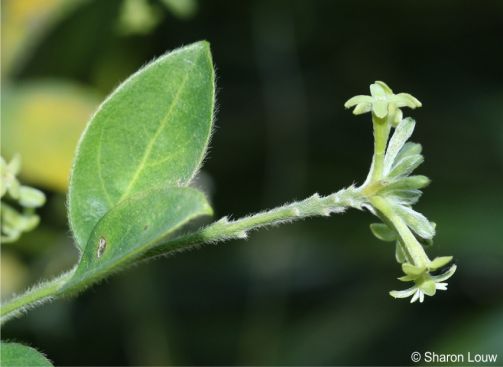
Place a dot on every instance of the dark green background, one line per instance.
(313, 292)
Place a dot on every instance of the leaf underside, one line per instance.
(152, 131)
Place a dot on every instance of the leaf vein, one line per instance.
(150, 145)
(100, 174)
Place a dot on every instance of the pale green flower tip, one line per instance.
(377, 91)
(439, 262)
(442, 277)
(14, 165)
(412, 270)
(31, 223)
(428, 287)
(380, 108)
(398, 117)
(353, 101)
(406, 99)
(404, 293)
(395, 294)
(384, 86)
(406, 278)
(30, 197)
(362, 108)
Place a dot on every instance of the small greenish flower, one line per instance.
(424, 282)
(383, 103)
(15, 221)
(8, 173)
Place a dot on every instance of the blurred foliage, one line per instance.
(14, 275)
(142, 16)
(294, 294)
(18, 202)
(24, 23)
(42, 121)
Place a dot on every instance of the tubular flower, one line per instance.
(424, 282)
(383, 103)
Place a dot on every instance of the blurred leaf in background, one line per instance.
(142, 16)
(42, 121)
(183, 9)
(13, 273)
(24, 23)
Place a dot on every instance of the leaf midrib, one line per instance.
(152, 142)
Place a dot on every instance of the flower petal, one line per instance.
(403, 294)
(438, 262)
(416, 296)
(413, 270)
(380, 108)
(362, 108)
(357, 100)
(384, 86)
(446, 275)
(441, 286)
(428, 287)
(407, 278)
(14, 165)
(405, 99)
(398, 117)
(376, 90)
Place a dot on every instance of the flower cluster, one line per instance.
(391, 191)
(15, 222)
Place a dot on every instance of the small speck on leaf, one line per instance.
(102, 245)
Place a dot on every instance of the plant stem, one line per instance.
(381, 133)
(35, 296)
(412, 248)
(221, 230)
(224, 229)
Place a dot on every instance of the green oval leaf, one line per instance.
(18, 355)
(135, 225)
(152, 131)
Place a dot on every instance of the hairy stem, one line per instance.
(35, 296)
(221, 230)
(224, 229)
